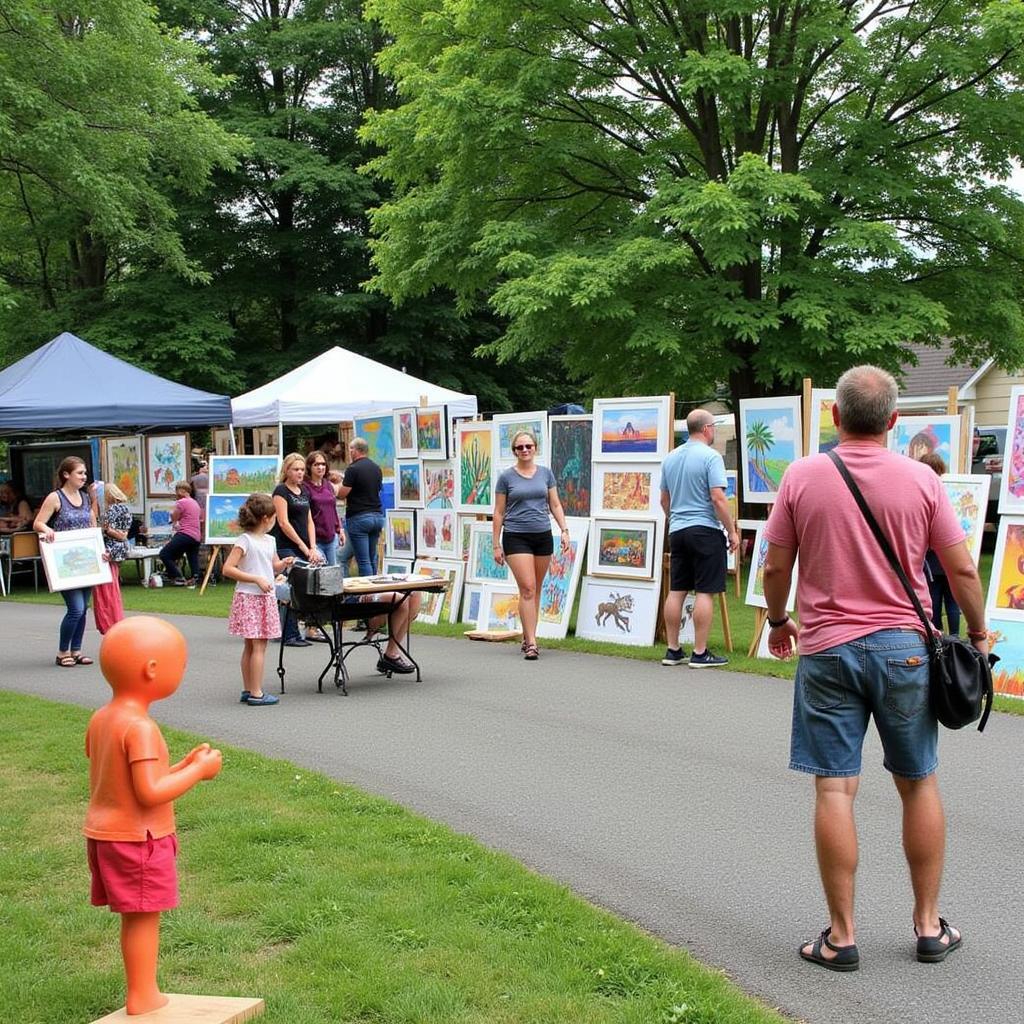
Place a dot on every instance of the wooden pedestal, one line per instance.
(192, 1010)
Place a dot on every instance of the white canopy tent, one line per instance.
(339, 385)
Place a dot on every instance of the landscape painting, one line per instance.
(74, 558)
(476, 467)
(167, 462)
(770, 439)
(631, 429)
(1011, 493)
(623, 612)
(1006, 639)
(404, 430)
(222, 517)
(915, 436)
(1006, 585)
(559, 589)
(969, 496)
(243, 474)
(507, 425)
(409, 492)
(822, 433)
(571, 443)
(622, 548)
(123, 456)
(755, 579)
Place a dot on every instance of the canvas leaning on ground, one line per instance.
(618, 611)
(559, 590)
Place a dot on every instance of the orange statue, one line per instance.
(130, 821)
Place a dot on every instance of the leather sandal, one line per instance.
(931, 949)
(531, 652)
(847, 958)
(67, 661)
(81, 659)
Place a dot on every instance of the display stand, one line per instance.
(183, 1009)
(215, 554)
(759, 622)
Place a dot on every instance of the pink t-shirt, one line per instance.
(846, 588)
(188, 517)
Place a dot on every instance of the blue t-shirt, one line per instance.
(687, 476)
(526, 500)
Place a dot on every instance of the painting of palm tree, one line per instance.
(771, 440)
(759, 441)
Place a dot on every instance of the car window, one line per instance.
(989, 446)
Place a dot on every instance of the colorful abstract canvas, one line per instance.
(625, 489)
(571, 443)
(435, 533)
(499, 608)
(915, 436)
(476, 466)
(625, 547)
(378, 432)
(482, 568)
(167, 462)
(1006, 585)
(243, 474)
(409, 483)
(438, 483)
(770, 439)
(432, 432)
(559, 590)
(399, 533)
(618, 611)
(1011, 493)
(123, 467)
(822, 434)
(508, 424)
(1006, 639)
(222, 517)
(969, 496)
(632, 429)
(404, 431)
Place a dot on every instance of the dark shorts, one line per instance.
(698, 559)
(537, 544)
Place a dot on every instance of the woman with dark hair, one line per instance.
(15, 512)
(186, 520)
(69, 508)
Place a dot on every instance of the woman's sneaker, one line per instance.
(707, 660)
(674, 657)
(262, 700)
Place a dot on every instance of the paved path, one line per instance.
(661, 794)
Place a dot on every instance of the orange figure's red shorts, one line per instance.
(134, 878)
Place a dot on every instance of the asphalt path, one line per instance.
(661, 794)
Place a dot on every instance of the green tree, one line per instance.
(674, 195)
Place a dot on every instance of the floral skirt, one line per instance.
(254, 616)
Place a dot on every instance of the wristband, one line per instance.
(977, 634)
(780, 622)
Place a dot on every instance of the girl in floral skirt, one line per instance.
(253, 563)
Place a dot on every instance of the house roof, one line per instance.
(934, 376)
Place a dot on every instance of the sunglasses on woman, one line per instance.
(522, 447)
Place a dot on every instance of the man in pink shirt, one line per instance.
(861, 649)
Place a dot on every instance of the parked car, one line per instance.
(987, 457)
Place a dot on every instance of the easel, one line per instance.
(215, 555)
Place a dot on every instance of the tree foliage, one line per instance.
(679, 194)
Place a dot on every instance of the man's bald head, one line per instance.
(698, 420)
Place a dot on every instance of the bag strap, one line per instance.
(883, 543)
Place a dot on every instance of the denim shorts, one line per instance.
(883, 674)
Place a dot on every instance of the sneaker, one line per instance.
(244, 698)
(707, 660)
(398, 665)
(674, 657)
(261, 700)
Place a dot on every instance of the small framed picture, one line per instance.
(499, 608)
(400, 533)
(75, 559)
(632, 429)
(432, 432)
(408, 483)
(627, 489)
(436, 533)
(481, 566)
(623, 547)
(167, 462)
(406, 444)
(222, 525)
(508, 424)
(158, 517)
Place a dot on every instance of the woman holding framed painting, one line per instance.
(69, 508)
(525, 498)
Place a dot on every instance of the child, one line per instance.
(129, 825)
(115, 521)
(253, 562)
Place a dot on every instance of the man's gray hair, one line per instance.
(866, 396)
(697, 420)
(360, 445)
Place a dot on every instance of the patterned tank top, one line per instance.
(70, 517)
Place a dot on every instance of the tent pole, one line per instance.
(280, 439)
(231, 443)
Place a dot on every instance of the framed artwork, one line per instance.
(166, 462)
(122, 465)
(438, 483)
(571, 442)
(409, 483)
(481, 566)
(1006, 639)
(508, 424)
(732, 496)
(265, 440)
(222, 517)
(499, 608)
(378, 432)
(438, 607)
(465, 524)
(158, 517)
(770, 439)
(627, 489)
(221, 440)
(399, 533)
(396, 566)
(1011, 491)
(471, 603)
(476, 466)
(404, 432)
(435, 533)
(687, 632)
(559, 590)
(1006, 585)
(432, 432)
(632, 429)
(969, 495)
(623, 547)
(755, 577)
(75, 559)
(822, 433)
(762, 644)
(243, 474)
(915, 436)
(618, 612)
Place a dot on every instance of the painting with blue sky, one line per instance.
(770, 439)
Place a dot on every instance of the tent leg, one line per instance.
(231, 430)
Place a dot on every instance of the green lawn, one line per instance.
(332, 905)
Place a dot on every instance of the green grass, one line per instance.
(332, 905)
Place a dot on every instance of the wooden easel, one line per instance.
(215, 554)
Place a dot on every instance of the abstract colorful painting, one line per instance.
(1011, 493)
(404, 431)
(475, 447)
(915, 436)
(755, 578)
(1006, 639)
(399, 533)
(378, 432)
(822, 434)
(438, 483)
(222, 517)
(499, 609)
(571, 442)
(167, 461)
(770, 439)
(482, 568)
(620, 612)
(621, 488)
(123, 467)
(969, 496)
(508, 424)
(631, 429)
(559, 590)
(1006, 585)
(243, 474)
(624, 547)
(432, 432)
(435, 533)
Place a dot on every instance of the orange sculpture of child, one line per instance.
(130, 821)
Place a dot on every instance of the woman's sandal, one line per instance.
(847, 958)
(81, 659)
(531, 652)
(931, 949)
(66, 662)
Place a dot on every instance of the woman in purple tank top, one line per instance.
(69, 508)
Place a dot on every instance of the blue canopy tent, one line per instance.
(68, 385)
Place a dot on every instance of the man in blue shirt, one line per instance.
(693, 497)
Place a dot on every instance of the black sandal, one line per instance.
(67, 661)
(81, 659)
(847, 958)
(531, 652)
(931, 949)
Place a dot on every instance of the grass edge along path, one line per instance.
(333, 905)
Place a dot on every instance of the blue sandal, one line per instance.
(847, 958)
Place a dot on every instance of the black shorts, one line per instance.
(698, 559)
(536, 544)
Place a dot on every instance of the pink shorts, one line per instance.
(134, 878)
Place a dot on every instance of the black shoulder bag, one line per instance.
(960, 676)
